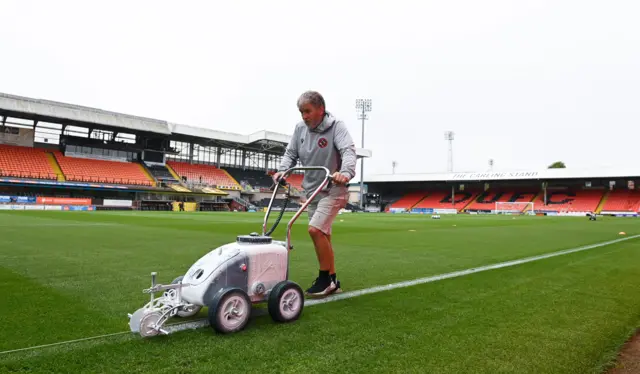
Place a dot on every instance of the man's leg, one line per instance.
(332, 270)
(320, 222)
(324, 252)
(316, 235)
(320, 284)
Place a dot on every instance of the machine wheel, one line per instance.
(147, 322)
(187, 311)
(178, 280)
(229, 311)
(286, 301)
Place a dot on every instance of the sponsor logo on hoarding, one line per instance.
(397, 210)
(77, 208)
(63, 201)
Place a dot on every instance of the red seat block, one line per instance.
(25, 162)
(102, 171)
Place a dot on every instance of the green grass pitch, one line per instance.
(72, 275)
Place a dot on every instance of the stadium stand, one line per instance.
(251, 179)
(569, 201)
(442, 200)
(102, 171)
(25, 162)
(557, 201)
(277, 203)
(408, 201)
(204, 175)
(161, 173)
(623, 201)
(295, 180)
(486, 200)
(53, 151)
(257, 180)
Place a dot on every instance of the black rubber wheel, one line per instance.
(286, 302)
(178, 280)
(229, 311)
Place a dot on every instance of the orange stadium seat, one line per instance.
(102, 171)
(570, 201)
(442, 200)
(210, 175)
(25, 162)
(408, 201)
(295, 180)
(623, 201)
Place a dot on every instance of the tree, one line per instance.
(557, 165)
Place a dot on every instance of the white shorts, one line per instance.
(325, 207)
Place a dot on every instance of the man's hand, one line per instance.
(276, 176)
(339, 178)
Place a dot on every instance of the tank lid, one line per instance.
(254, 238)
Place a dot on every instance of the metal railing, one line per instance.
(76, 178)
(111, 180)
(27, 174)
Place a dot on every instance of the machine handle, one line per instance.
(328, 178)
(282, 182)
(299, 168)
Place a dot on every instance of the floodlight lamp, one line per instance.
(448, 135)
(363, 105)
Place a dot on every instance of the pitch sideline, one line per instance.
(348, 295)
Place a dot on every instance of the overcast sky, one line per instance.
(508, 77)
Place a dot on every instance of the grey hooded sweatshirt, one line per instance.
(329, 145)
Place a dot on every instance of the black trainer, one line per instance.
(323, 285)
(337, 283)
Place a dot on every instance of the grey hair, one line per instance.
(311, 97)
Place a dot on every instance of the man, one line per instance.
(321, 140)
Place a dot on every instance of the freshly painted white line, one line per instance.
(62, 224)
(64, 342)
(169, 326)
(348, 295)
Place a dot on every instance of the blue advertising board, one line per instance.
(422, 210)
(17, 199)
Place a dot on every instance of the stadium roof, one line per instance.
(544, 174)
(55, 111)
